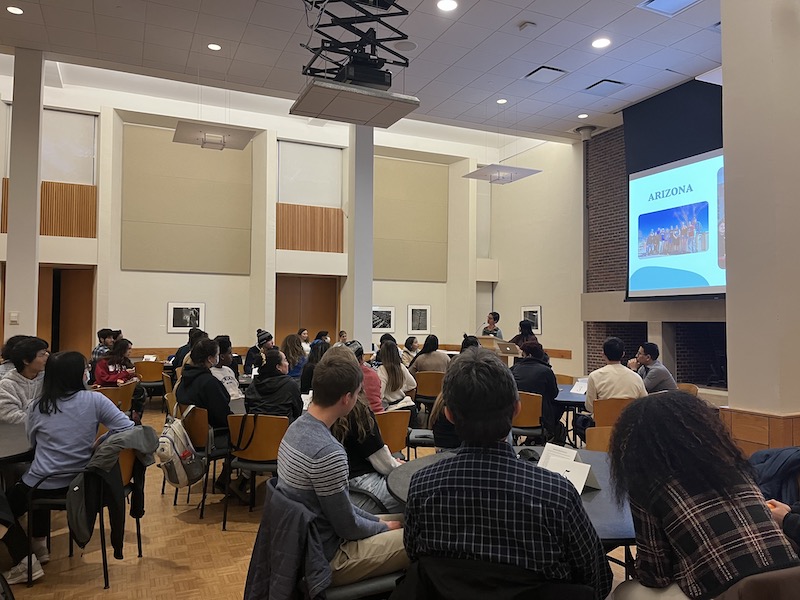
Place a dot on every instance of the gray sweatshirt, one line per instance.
(16, 393)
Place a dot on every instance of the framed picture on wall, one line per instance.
(419, 319)
(182, 316)
(383, 319)
(534, 315)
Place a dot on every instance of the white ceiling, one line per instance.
(464, 61)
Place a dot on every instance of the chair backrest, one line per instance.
(196, 426)
(689, 388)
(256, 437)
(598, 438)
(167, 381)
(149, 370)
(394, 428)
(607, 411)
(178, 373)
(429, 383)
(121, 395)
(127, 458)
(172, 402)
(564, 379)
(530, 415)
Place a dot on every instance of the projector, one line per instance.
(365, 70)
(381, 4)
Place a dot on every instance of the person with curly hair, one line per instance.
(701, 522)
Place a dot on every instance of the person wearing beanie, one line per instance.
(264, 342)
(273, 392)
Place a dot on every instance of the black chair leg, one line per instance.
(30, 542)
(139, 536)
(71, 545)
(103, 546)
(163, 484)
(225, 501)
(252, 490)
(205, 492)
(175, 500)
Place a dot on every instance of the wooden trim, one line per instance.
(163, 353)
(754, 431)
(67, 209)
(309, 228)
(552, 352)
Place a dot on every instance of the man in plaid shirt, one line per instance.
(485, 504)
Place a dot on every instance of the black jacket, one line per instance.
(537, 377)
(278, 395)
(252, 359)
(198, 386)
(306, 377)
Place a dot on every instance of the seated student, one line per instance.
(430, 358)
(322, 336)
(445, 436)
(195, 333)
(293, 350)
(396, 382)
(5, 353)
(533, 374)
(20, 387)
(655, 375)
(105, 338)
(308, 369)
(372, 383)
(117, 369)
(273, 392)
(368, 457)
(469, 341)
(254, 356)
(701, 522)
(222, 370)
(313, 470)
(485, 504)
(410, 349)
(342, 339)
(386, 337)
(62, 427)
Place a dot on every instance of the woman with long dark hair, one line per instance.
(396, 381)
(116, 368)
(410, 349)
(430, 358)
(273, 392)
(62, 427)
(303, 333)
(308, 369)
(701, 522)
(292, 348)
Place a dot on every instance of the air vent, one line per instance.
(545, 75)
(668, 8)
(605, 87)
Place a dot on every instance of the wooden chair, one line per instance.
(529, 420)
(202, 438)
(564, 379)
(394, 428)
(255, 440)
(598, 438)
(429, 384)
(689, 388)
(167, 382)
(121, 395)
(151, 376)
(606, 412)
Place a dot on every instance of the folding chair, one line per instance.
(529, 420)
(393, 426)
(150, 374)
(202, 437)
(121, 395)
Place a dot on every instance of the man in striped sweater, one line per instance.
(313, 470)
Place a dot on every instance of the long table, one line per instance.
(14, 444)
(572, 403)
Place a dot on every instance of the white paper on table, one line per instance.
(255, 371)
(552, 451)
(579, 474)
(306, 399)
(150, 357)
(580, 386)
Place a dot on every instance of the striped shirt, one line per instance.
(312, 469)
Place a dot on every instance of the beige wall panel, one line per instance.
(151, 247)
(400, 260)
(175, 194)
(410, 223)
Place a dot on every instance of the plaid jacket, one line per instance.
(705, 543)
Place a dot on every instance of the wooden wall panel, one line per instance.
(750, 428)
(44, 320)
(309, 228)
(77, 311)
(162, 353)
(67, 209)
(310, 302)
(780, 432)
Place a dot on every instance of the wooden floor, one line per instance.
(184, 557)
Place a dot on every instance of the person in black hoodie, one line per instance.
(273, 392)
(533, 374)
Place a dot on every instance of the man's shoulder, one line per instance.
(312, 439)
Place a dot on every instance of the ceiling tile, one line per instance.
(471, 95)
(702, 41)
(171, 17)
(71, 38)
(634, 51)
(634, 93)
(239, 10)
(166, 55)
(218, 26)
(557, 111)
(523, 88)
(534, 122)
(22, 31)
(664, 80)
(502, 45)
(492, 82)
(443, 53)
(488, 13)
(450, 109)
(571, 60)
(579, 100)
(479, 61)
(669, 32)
(566, 33)
(529, 106)
(429, 7)
(41, 44)
(714, 54)
(599, 13)
(32, 14)
(171, 67)
(608, 105)
(121, 28)
(172, 38)
(557, 8)
(293, 62)
(407, 84)
(576, 81)
(430, 27)
(65, 18)
(133, 10)
(114, 59)
(538, 52)
(200, 44)
(74, 50)
(459, 76)
(257, 54)
(605, 66)
(512, 67)
(277, 17)
(542, 23)
(288, 81)
(81, 5)
(694, 66)
(118, 46)
(635, 22)
(424, 68)
(207, 63)
(185, 4)
(703, 14)
(252, 71)
(265, 36)
(440, 89)
(464, 34)
(665, 58)
(635, 73)
(552, 94)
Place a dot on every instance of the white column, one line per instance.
(761, 128)
(356, 296)
(462, 257)
(22, 266)
(263, 233)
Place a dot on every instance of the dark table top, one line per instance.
(14, 445)
(567, 397)
(613, 523)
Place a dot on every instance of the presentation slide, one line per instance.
(676, 238)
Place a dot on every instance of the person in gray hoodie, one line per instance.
(23, 385)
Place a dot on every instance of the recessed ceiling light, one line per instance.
(601, 43)
(583, 116)
(447, 5)
(214, 47)
(14, 10)
(502, 101)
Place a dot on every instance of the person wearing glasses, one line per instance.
(655, 375)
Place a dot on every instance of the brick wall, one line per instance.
(697, 347)
(607, 212)
(632, 334)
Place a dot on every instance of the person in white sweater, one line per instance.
(23, 385)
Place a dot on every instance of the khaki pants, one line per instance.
(633, 590)
(373, 556)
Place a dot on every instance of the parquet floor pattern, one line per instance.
(184, 557)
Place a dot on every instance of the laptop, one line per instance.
(507, 349)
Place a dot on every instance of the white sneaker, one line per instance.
(41, 551)
(19, 574)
